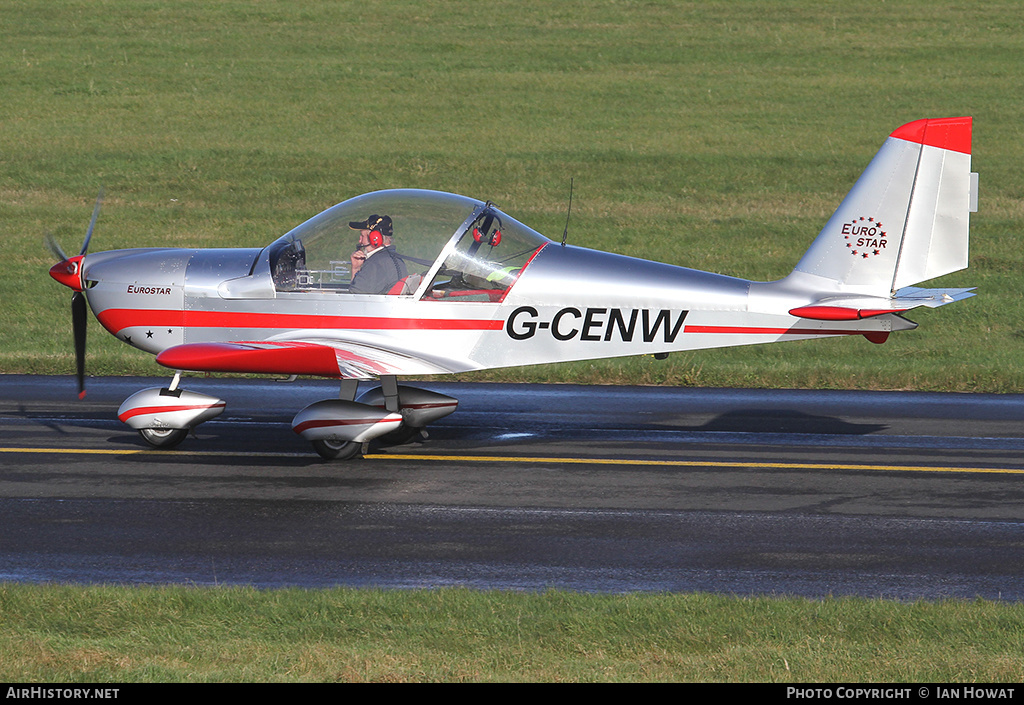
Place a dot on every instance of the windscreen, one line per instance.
(317, 254)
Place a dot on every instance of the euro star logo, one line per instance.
(865, 237)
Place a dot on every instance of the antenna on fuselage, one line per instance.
(565, 233)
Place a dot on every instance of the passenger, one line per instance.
(376, 265)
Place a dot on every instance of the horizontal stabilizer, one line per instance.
(853, 308)
(932, 298)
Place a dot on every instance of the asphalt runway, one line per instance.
(898, 495)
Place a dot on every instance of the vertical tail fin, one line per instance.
(906, 219)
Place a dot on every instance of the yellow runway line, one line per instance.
(552, 461)
(698, 463)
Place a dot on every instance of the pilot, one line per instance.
(376, 266)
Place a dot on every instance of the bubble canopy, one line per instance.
(453, 247)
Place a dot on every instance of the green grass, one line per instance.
(174, 634)
(716, 135)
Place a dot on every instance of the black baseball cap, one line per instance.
(381, 223)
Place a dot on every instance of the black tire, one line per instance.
(163, 437)
(336, 450)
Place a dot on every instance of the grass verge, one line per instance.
(68, 634)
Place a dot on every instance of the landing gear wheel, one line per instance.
(163, 437)
(336, 450)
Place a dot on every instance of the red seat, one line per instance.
(405, 285)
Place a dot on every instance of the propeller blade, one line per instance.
(54, 247)
(92, 223)
(78, 325)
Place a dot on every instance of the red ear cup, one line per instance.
(376, 239)
(494, 240)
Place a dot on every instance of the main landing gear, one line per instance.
(337, 428)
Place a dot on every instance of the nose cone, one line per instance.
(69, 272)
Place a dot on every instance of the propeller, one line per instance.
(68, 271)
(79, 318)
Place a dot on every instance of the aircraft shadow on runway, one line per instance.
(785, 421)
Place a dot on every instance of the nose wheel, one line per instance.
(163, 437)
(163, 416)
(336, 450)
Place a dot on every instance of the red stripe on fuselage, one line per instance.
(750, 330)
(117, 319)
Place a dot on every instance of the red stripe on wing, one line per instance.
(269, 358)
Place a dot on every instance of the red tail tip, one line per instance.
(944, 133)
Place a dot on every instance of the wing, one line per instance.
(322, 357)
